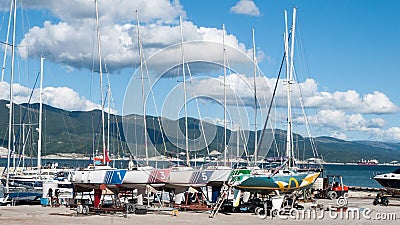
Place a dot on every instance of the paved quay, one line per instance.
(359, 211)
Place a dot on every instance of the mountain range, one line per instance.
(79, 132)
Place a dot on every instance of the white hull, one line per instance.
(189, 177)
(146, 176)
(32, 179)
(92, 179)
(389, 180)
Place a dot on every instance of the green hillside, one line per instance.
(79, 132)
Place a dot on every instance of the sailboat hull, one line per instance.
(141, 178)
(281, 182)
(219, 176)
(21, 198)
(98, 177)
(198, 178)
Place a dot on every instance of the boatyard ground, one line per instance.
(369, 214)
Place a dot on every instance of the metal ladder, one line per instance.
(224, 194)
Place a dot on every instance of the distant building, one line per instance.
(315, 161)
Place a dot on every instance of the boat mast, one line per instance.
(255, 100)
(143, 95)
(101, 82)
(289, 74)
(285, 37)
(108, 115)
(237, 143)
(184, 96)
(224, 59)
(6, 44)
(39, 153)
(290, 83)
(23, 145)
(10, 121)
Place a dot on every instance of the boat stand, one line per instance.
(196, 201)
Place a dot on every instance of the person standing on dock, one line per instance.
(55, 201)
(50, 196)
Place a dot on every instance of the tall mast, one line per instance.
(288, 133)
(237, 143)
(39, 153)
(23, 145)
(6, 46)
(291, 82)
(101, 81)
(108, 115)
(143, 95)
(184, 97)
(289, 74)
(10, 121)
(224, 59)
(255, 100)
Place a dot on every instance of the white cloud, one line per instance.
(375, 103)
(72, 40)
(59, 97)
(67, 99)
(376, 123)
(338, 119)
(338, 135)
(329, 118)
(393, 133)
(110, 11)
(246, 7)
(378, 103)
(348, 101)
(336, 113)
(338, 123)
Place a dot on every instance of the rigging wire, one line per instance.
(198, 111)
(304, 59)
(272, 100)
(242, 132)
(155, 105)
(23, 119)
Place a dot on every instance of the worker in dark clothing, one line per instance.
(50, 195)
(56, 203)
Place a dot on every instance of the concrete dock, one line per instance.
(359, 211)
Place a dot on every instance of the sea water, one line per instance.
(353, 175)
(358, 175)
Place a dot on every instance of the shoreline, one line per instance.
(74, 157)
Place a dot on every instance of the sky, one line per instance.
(346, 62)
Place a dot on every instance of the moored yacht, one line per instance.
(389, 180)
(33, 178)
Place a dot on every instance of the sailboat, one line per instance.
(182, 177)
(33, 178)
(14, 195)
(139, 177)
(97, 176)
(287, 177)
(135, 177)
